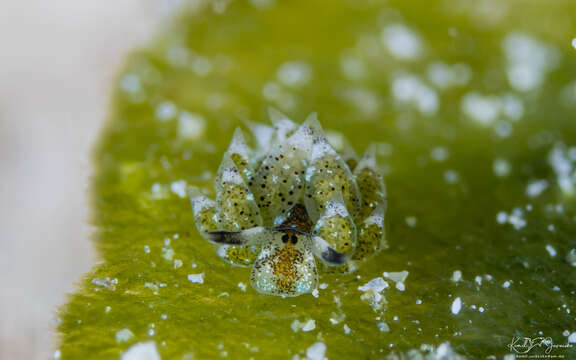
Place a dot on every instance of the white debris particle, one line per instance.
(482, 109)
(124, 335)
(535, 188)
(456, 306)
(445, 76)
(571, 257)
(383, 327)
(400, 286)
(551, 250)
(196, 278)
(502, 217)
(451, 176)
(316, 351)
(574, 43)
(165, 111)
(315, 293)
(346, 329)
(57, 354)
(309, 325)
(131, 83)
(506, 284)
(411, 221)
(501, 167)
(167, 253)
(191, 126)
(323, 286)
(528, 61)
(368, 103)
(163, 316)
(402, 42)
(503, 129)
(177, 263)
(141, 351)
(457, 276)
(107, 309)
(107, 283)
(242, 286)
(294, 74)
(418, 302)
(481, 309)
(572, 338)
(201, 65)
(336, 318)
(147, 249)
(439, 154)
(179, 188)
(399, 276)
(410, 90)
(296, 326)
(352, 68)
(373, 292)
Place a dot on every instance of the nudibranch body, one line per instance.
(291, 198)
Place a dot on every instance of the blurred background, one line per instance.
(58, 60)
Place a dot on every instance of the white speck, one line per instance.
(411, 221)
(309, 325)
(528, 61)
(315, 293)
(177, 263)
(107, 283)
(439, 154)
(418, 302)
(352, 68)
(346, 329)
(402, 42)
(409, 89)
(163, 316)
(571, 257)
(383, 327)
(179, 188)
(444, 76)
(456, 306)
(167, 253)
(316, 351)
(141, 351)
(572, 338)
(166, 111)
(400, 286)
(451, 176)
(124, 335)
(131, 83)
(503, 129)
(294, 74)
(506, 284)
(574, 43)
(501, 167)
(147, 249)
(457, 275)
(242, 286)
(373, 292)
(482, 109)
(551, 250)
(196, 278)
(323, 286)
(535, 188)
(191, 126)
(399, 276)
(481, 309)
(368, 103)
(57, 354)
(107, 309)
(201, 66)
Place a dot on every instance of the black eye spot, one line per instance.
(294, 239)
(285, 238)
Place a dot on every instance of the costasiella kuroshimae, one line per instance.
(290, 199)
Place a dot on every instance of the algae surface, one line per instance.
(472, 104)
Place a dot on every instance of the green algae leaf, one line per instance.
(471, 106)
